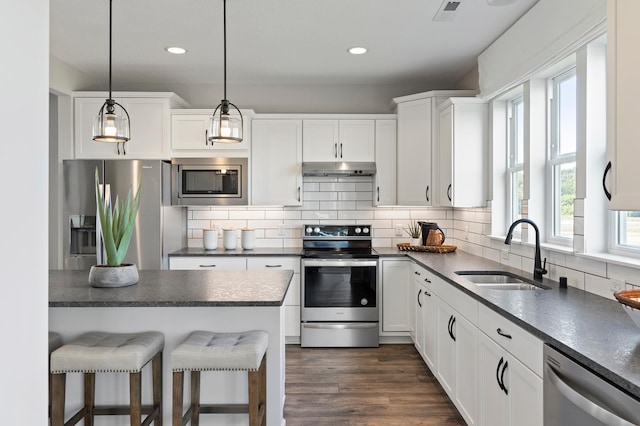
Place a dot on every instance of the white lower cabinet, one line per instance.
(397, 289)
(425, 314)
(291, 301)
(510, 391)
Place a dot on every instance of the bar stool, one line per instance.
(108, 352)
(208, 351)
(55, 341)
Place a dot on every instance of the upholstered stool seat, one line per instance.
(55, 341)
(108, 352)
(209, 351)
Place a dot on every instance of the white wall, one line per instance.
(24, 84)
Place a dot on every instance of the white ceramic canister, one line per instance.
(210, 238)
(229, 239)
(248, 238)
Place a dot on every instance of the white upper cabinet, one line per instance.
(385, 180)
(463, 140)
(189, 132)
(276, 162)
(623, 108)
(338, 140)
(149, 119)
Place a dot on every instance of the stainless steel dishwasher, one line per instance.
(574, 395)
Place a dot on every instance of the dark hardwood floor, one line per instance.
(389, 385)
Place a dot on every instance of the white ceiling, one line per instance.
(294, 42)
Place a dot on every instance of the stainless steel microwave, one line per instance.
(209, 181)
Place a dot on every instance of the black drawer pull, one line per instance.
(503, 334)
(273, 266)
(208, 266)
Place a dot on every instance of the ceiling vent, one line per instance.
(447, 10)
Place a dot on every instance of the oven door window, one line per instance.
(340, 286)
(206, 182)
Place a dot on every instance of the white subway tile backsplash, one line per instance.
(319, 214)
(210, 214)
(283, 214)
(199, 224)
(356, 214)
(391, 214)
(338, 186)
(320, 196)
(311, 187)
(252, 214)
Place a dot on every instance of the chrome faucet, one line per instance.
(538, 268)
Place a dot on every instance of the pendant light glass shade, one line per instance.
(226, 122)
(112, 122)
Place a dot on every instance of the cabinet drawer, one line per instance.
(465, 305)
(208, 262)
(425, 277)
(274, 262)
(521, 344)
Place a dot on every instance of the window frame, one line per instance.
(513, 168)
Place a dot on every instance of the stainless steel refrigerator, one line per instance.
(160, 228)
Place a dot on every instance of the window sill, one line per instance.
(546, 246)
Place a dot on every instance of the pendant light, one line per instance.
(226, 124)
(112, 122)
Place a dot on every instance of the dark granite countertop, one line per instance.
(220, 251)
(593, 330)
(174, 288)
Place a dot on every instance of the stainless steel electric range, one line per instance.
(338, 288)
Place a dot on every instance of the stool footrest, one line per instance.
(224, 408)
(120, 410)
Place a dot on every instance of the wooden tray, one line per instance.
(432, 249)
(630, 298)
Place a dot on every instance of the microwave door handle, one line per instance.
(585, 404)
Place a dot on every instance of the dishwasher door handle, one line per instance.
(341, 326)
(588, 406)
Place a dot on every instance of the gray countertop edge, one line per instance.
(198, 251)
(604, 360)
(168, 304)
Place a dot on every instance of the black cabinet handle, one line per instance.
(124, 148)
(427, 280)
(504, 387)
(452, 321)
(449, 326)
(335, 150)
(378, 189)
(206, 137)
(273, 266)
(416, 272)
(427, 293)
(298, 194)
(426, 193)
(449, 192)
(207, 266)
(340, 149)
(419, 304)
(498, 373)
(604, 179)
(503, 334)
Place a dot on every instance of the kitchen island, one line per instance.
(176, 303)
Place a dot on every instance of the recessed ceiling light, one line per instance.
(357, 50)
(176, 50)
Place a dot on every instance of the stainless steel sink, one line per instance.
(500, 280)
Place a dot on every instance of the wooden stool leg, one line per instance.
(178, 390)
(58, 382)
(89, 397)
(135, 398)
(195, 398)
(263, 390)
(157, 387)
(254, 396)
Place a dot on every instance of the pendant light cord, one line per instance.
(224, 26)
(110, 39)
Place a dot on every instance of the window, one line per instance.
(515, 167)
(626, 234)
(561, 166)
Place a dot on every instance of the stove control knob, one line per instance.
(309, 229)
(316, 230)
(358, 230)
(365, 230)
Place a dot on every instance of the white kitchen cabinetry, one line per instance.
(276, 155)
(149, 115)
(385, 180)
(457, 350)
(426, 314)
(416, 147)
(510, 373)
(338, 140)
(397, 290)
(463, 140)
(292, 300)
(189, 132)
(216, 263)
(623, 108)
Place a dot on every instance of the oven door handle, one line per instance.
(585, 404)
(341, 326)
(351, 262)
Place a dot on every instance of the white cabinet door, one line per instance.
(418, 313)
(149, 121)
(397, 288)
(525, 395)
(493, 399)
(623, 108)
(446, 371)
(276, 155)
(356, 140)
(414, 153)
(216, 263)
(385, 189)
(320, 140)
(189, 132)
(338, 140)
(463, 139)
(429, 327)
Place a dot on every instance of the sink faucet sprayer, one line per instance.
(538, 269)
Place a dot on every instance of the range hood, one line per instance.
(339, 168)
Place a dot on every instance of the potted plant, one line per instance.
(414, 232)
(116, 228)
